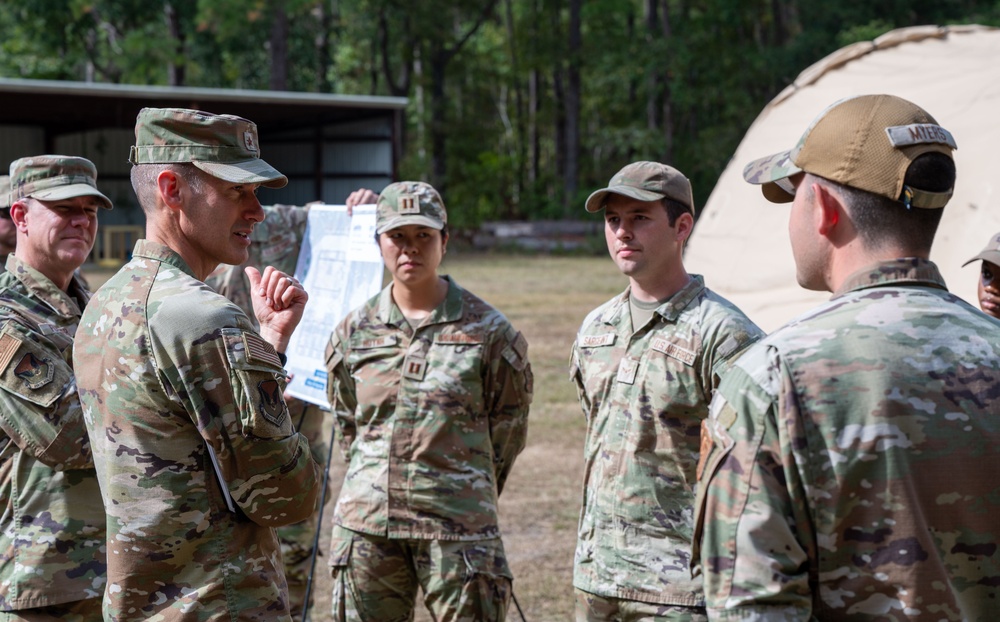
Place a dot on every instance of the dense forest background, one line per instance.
(518, 108)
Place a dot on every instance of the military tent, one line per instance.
(740, 243)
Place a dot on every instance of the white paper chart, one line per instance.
(340, 266)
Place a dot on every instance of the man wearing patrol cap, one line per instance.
(850, 470)
(645, 364)
(194, 447)
(430, 387)
(8, 232)
(989, 277)
(52, 562)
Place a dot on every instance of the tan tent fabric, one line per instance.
(741, 243)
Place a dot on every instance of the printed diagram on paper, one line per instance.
(340, 266)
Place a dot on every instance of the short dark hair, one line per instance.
(674, 210)
(880, 220)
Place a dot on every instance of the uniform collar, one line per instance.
(449, 311)
(902, 271)
(670, 310)
(69, 303)
(148, 249)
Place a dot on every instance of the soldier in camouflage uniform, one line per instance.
(430, 387)
(196, 453)
(276, 242)
(988, 289)
(851, 459)
(52, 564)
(645, 364)
(8, 233)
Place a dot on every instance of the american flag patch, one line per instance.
(259, 350)
(8, 347)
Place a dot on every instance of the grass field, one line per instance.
(546, 298)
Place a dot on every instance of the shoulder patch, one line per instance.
(673, 350)
(260, 351)
(270, 402)
(8, 347)
(35, 372)
(520, 346)
(597, 341)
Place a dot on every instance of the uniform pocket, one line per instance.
(488, 582)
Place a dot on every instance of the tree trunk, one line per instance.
(518, 139)
(439, 169)
(669, 126)
(175, 70)
(279, 49)
(573, 90)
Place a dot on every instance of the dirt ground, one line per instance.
(546, 298)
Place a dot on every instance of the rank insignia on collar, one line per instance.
(33, 371)
(271, 405)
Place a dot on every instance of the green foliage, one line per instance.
(683, 88)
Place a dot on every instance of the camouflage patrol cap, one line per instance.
(5, 196)
(865, 142)
(991, 253)
(409, 203)
(222, 145)
(645, 181)
(54, 178)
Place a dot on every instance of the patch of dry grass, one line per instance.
(546, 298)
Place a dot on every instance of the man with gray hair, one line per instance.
(850, 462)
(196, 452)
(52, 562)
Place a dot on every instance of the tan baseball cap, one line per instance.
(865, 142)
(991, 253)
(54, 178)
(222, 145)
(409, 203)
(645, 181)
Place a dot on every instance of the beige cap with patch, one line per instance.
(865, 142)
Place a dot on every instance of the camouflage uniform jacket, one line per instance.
(431, 419)
(274, 242)
(644, 394)
(52, 540)
(853, 461)
(173, 378)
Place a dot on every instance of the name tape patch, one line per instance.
(673, 350)
(380, 342)
(456, 339)
(919, 134)
(597, 341)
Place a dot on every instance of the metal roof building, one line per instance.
(327, 145)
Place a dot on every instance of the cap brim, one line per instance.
(991, 256)
(71, 191)
(595, 202)
(767, 172)
(401, 221)
(255, 171)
